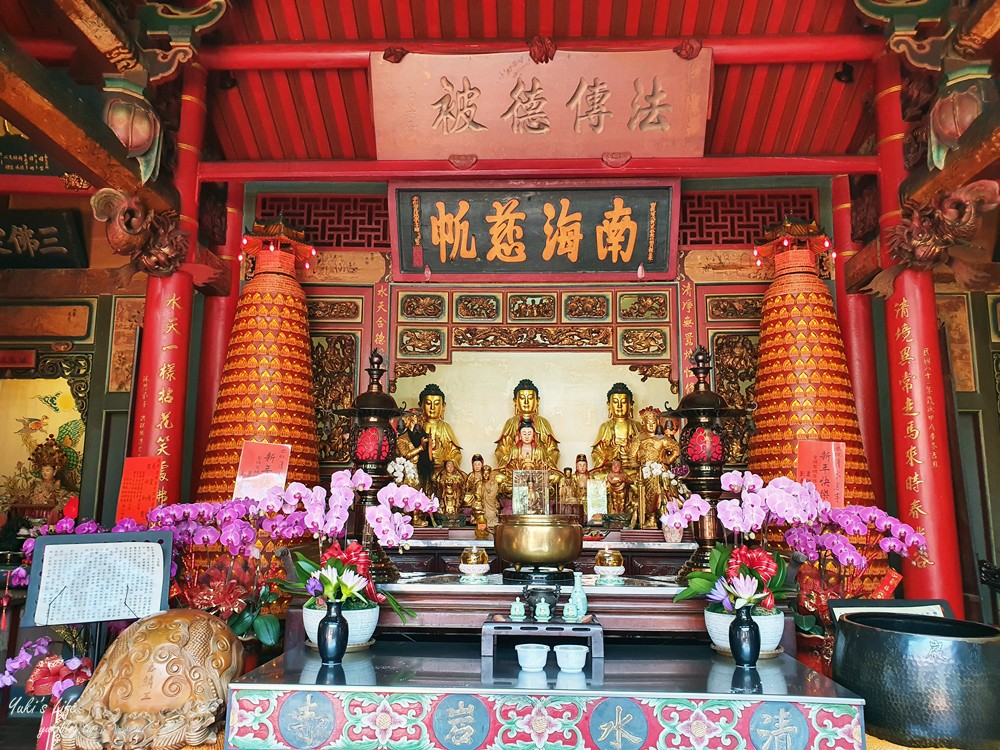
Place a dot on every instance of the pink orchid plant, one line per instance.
(821, 533)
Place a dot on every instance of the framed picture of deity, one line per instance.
(530, 492)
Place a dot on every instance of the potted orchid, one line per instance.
(324, 581)
(840, 542)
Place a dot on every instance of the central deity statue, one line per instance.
(617, 436)
(526, 408)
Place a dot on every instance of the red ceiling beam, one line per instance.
(727, 50)
(380, 171)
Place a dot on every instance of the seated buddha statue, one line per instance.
(527, 454)
(617, 436)
(526, 403)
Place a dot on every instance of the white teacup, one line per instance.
(532, 656)
(570, 657)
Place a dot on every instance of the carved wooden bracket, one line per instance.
(154, 242)
(688, 49)
(542, 49)
(929, 236)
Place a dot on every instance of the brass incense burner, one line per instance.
(538, 540)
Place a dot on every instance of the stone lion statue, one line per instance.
(161, 686)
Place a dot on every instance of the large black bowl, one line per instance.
(926, 681)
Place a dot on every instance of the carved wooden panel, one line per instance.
(644, 306)
(540, 307)
(595, 306)
(345, 310)
(643, 342)
(735, 355)
(421, 342)
(531, 337)
(335, 367)
(744, 307)
(423, 306)
(477, 307)
(718, 218)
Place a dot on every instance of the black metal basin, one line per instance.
(926, 681)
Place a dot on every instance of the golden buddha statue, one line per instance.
(617, 436)
(526, 403)
(621, 499)
(441, 445)
(654, 446)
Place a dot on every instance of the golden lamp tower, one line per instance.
(803, 385)
(266, 392)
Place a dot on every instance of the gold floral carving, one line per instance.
(420, 341)
(410, 370)
(532, 307)
(640, 341)
(736, 356)
(478, 307)
(531, 337)
(660, 370)
(334, 358)
(162, 685)
(587, 306)
(652, 306)
(735, 308)
(334, 310)
(423, 306)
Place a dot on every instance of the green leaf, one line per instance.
(241, 621)
(807, 624)
(778, 579)
(719, 559)
(267, 629)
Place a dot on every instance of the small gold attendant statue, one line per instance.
(481, 491)
(617, 436)
(620, 498)
(449, 483)
(526, 408)
(573, 490)
(653, 447)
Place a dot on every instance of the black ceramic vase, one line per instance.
(744, 638)
(331, 635)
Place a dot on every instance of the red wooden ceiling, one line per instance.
(771, 109)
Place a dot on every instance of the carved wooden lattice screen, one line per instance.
(346, 221)
(724, 218)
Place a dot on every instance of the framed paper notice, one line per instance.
(98, 577)
(597, 499)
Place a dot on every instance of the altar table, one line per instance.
(423, 696)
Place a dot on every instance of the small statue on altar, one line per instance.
(46, 496)
(654, 447)
(441, 445)
(481, 491)
(620, 500)
(617, 436)
(526, 403)
(449, 483)
(527, 454)
(573, 489)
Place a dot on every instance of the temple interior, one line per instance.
(616, 305)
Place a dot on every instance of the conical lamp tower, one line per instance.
(266, 392)
(803, 387)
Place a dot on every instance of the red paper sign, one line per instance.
(21, 359)
(262, 466)
(822, 463)
(140, 483)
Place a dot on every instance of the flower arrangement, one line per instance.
(670, 478)
(234, 588)
(740, 577)
(403, 471)
(820, 533)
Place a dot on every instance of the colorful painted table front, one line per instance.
(422, 696)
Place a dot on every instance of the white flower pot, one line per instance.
(361, 624)
(771, 628)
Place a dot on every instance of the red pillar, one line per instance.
(219, 313)
(166, 325)
(917, 395)
(854, 313)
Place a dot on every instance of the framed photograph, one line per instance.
(530, 492)
(931, 607)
